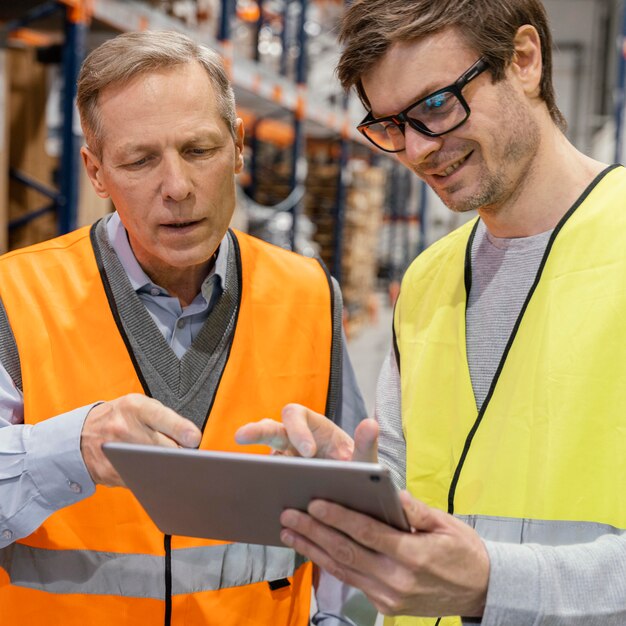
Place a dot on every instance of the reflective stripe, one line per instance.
(230, 565)
(545, 532)
(207, 568)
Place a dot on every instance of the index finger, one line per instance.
(265, 432)
(164, 420)
(364, 530)
(301, 423)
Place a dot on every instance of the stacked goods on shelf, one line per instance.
(364, 211)
(321, 196)
(268, 211)
(33, 146)
(273, 171)
(27, 154)
(365, 197)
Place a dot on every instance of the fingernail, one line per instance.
(306, 449)
(286, 537)
(318, 509)
(289, 517)
(190, 439)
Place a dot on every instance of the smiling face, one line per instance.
(483, 163)
(168, 164)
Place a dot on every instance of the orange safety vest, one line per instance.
(72, 354)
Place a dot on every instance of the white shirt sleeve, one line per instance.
(391, 443)
(575, 585)
(41, 466)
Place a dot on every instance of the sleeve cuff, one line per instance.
(55, 462)
(514, 594)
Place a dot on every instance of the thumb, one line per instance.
(420, 516)
(366, 442)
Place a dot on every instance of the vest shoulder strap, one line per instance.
(9, 355)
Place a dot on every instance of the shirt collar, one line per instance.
(139, 280)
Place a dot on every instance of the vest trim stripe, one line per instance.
(207, 568)
(544, 532)
(167, 544)
(330, 404)
(494, 382)
(394, 336)
(467, 277)
(116, 316)
(238, 265)
(335, 356)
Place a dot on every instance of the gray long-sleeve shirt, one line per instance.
(530, 585)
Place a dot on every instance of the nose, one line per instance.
(176, 180)
(418, 147)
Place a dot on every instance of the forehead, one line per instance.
(159, 104)
(413, 69)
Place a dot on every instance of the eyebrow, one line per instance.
(422, 94)
(198, 137)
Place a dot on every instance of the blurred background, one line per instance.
(311, 182)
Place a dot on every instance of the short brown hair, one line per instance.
(371, 27)
(120, 59)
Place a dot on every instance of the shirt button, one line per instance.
(75, 487)
(180, 323)
(7, 534)
(155, 291)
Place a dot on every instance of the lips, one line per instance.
(181, 225)
(450, 169)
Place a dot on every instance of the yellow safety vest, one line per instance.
(102, 561)
(543, 461)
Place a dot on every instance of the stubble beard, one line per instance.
(519, 138)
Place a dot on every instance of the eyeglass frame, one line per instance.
(401, 119)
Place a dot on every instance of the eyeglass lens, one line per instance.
(436, 115)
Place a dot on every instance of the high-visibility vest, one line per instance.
(102, 561)
(543, 460)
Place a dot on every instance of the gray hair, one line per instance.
(128, 55)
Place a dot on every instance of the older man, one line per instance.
(156, 325)
(503, 406)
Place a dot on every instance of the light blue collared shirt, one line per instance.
(178, 325)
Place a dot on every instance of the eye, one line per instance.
(391, 128)
(438, 104)
(138, 164)
(200, 152)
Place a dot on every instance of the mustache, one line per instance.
(440, 160)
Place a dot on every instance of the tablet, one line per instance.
(239, 497)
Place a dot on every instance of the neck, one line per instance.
(182, 283)
(555, 179)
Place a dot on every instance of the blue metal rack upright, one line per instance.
(65, 198)
(298, 117)
(620, 100)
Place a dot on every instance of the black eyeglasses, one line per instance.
(437, 114)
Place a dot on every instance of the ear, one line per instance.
(239, 134)
(527, 64)
(93, 166)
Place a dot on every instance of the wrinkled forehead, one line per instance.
(159, 105)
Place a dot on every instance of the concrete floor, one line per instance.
(368, 349)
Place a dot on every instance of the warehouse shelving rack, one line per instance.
(620, 99)
(63, 200)
(254, 83)
(258, 82)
